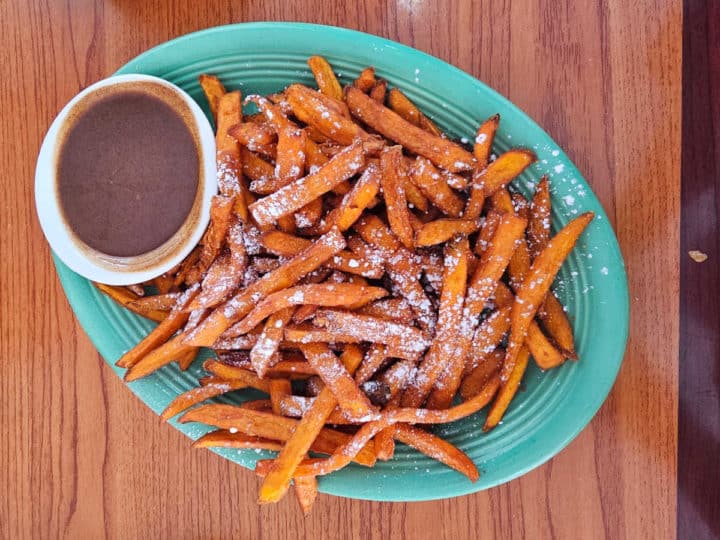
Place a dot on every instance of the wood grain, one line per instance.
(83, 458)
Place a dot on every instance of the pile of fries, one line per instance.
(367, 273)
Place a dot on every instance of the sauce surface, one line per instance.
(128, 173)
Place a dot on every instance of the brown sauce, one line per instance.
(127, 172)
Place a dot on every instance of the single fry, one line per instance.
(155, 303)
(226, 439)
(366, 80)
(310, 107)
(484, 141)
(128, 299)
(555, 321)
(442, 230)
(508, 389)
(356, 200)
(402, 105)
(504, 169)
(214, 237)
(393, 309)
(306, 491)
(325, 77)
(437, 448)
(251, 134)
(279, 388)
(213, 89)
(379, 90)
(442, 152)
(538, 233)
(294, 196)
(197, 395)
(393, 176)
(290, 161)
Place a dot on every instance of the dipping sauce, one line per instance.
(128, 171)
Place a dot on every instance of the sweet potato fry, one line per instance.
(545, 354)
(225, 439)
(213, 89)
(278, 389)
(306, 491)
(484, 140)
(263, 352)
(555, 321)
(486, 232)
(330, 295)
(508, 389)
(356, 200)
(252, 133)
(310, 107)
(271, 426)
(393, 179)
(278, 480)
(501, 201)
(435, 187)
(379, 90)
(259, 171)
(538, 233)
(402, 338)
(519, 264)
(442, 230)
(447, 335)
(393, 309)
(504, 169)
(128, 299)
(228, 155)
(197, 395)
(325, 77)
(352, 401)
(290, 161)
(536, 286)
(438, 449)
(284, 276)
(480, 288)
(309, 215)
(482, 372)
(414, 196)
(366, 79)
(294, 196)
(521, 205)
(371, 362)
(233, 373)
(402, 105)
(161, 303)
(442, 152)
(161, 333)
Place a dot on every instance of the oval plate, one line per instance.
(553, 407)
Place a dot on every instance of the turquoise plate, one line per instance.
(552, 407)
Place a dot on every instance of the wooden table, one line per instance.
(81, 457)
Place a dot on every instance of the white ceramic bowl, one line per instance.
(101, 267)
